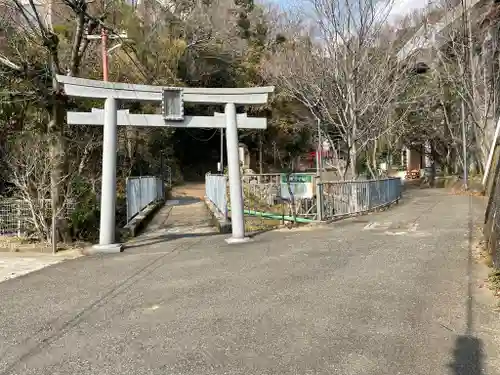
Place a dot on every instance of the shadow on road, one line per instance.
(166, 238)
(183, 200)
(175, 236)
(467, 356)
(468, 351)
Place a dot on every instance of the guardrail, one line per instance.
(141, 192)
(268, 197)
(343, 198)
(215, 191)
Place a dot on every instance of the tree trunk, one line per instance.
(434, 157)
(57, 183)
(374, 156)
(353, 157)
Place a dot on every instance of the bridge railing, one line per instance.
(344, 198)
(268, 196)
(141, 192)
(216, 192)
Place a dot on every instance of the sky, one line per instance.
(403, 8)
(400, 8)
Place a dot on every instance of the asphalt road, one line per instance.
(389, 293)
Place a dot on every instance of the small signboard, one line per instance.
(173, 104)
(301, 185)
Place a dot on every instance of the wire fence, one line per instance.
(492, 217)
(141, 192)
(216, 192)
(20, 217)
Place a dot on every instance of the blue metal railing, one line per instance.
(215, 191)
(142, 191)
(342, 198)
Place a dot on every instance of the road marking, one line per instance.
(412, 227)
(376, 225)
(395, 233)
(393, 229)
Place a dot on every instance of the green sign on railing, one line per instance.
(297, 178)
(301, 185)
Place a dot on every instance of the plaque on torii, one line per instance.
(172, 102)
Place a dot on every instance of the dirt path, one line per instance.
(189, 190)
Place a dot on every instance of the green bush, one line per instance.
(84, 219)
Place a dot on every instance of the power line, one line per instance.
(202, 140)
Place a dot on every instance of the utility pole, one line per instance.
(319, 160)
(222, 150)
(260, 153)
(466, 74)
(104, 37)
(464, 148)
(104, 46)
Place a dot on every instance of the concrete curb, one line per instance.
(103, 249)
(142, 218)
(223, 225)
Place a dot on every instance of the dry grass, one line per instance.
(493, 281)
(27, 245)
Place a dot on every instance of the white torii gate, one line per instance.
(172, 99)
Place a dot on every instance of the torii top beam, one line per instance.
(88, 88)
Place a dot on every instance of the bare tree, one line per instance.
(467, 68)
(30, 59)
(30, 168)
(346, 72)
(29, 164)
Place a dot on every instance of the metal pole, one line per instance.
(233, 164)
(260, 153)
(104, 46)
(108, 189)
(319, 198)
(318, 154)
(464, 148)
(222, 150)
(162, 174)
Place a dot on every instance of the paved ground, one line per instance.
(14, 264)
(184, 216)
(390, 293)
